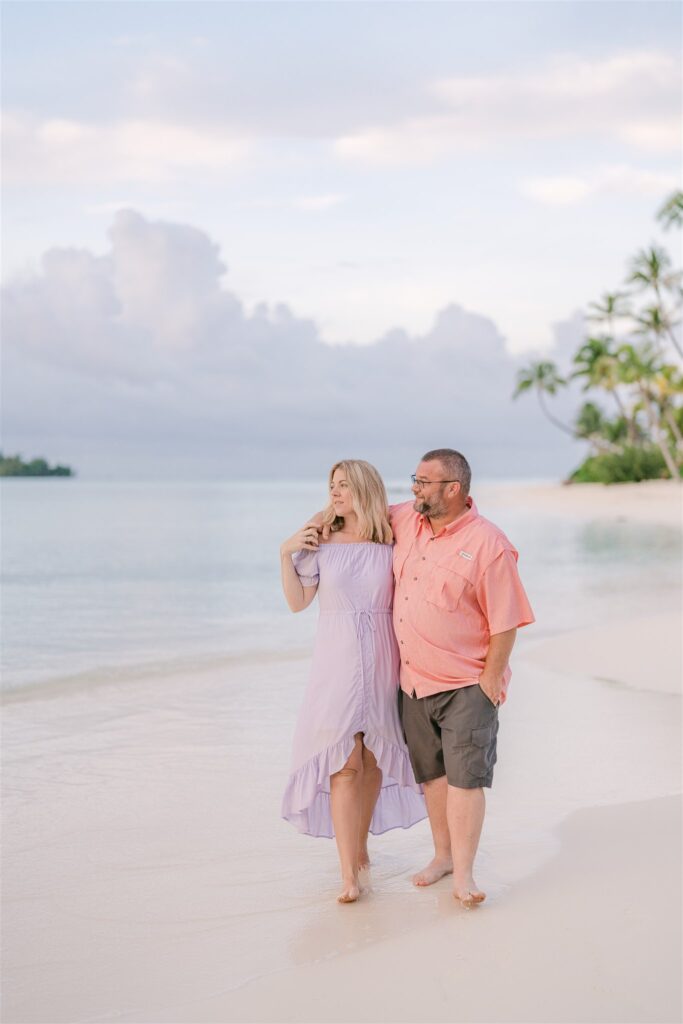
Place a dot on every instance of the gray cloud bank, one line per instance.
(141, 362)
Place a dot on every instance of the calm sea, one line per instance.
(103, 580)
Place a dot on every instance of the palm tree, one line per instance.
(671, 213)
(612, 306)
(597, 362)
(657, 322)
(601, 433)
(667, 382)
(639, 367)
(651, 268)
(543, 377)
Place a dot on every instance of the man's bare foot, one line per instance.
(468, 894)
(363, 859)
(436, 869)
(350, 891)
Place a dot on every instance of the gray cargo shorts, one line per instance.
(452, 734)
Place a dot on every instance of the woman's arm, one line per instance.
(297, 596)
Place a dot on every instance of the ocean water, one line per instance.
(103, 579)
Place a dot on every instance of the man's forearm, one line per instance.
(500, 649)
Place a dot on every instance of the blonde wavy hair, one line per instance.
(369, 499)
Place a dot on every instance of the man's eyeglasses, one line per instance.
(416, 482)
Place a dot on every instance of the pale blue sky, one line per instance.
(368, 165)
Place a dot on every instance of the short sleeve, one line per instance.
(306, 565)
(501, 595)
(398, 516)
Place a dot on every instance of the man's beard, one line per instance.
(434, 509)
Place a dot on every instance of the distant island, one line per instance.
(14, 465)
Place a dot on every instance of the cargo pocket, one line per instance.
(482, 752)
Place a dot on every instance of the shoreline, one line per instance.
(653, 663)
(145, 673)
(654, 504)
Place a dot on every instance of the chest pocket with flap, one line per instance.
(445, 587)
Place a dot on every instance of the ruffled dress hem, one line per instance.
(306, 801)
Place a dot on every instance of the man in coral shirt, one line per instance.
(457, 606)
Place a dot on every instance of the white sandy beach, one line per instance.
(652, 501)
(148, 878)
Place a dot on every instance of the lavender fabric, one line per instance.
(352, 688)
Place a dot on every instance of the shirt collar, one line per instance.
(457, 524)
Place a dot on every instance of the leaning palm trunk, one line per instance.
(674, 341)
(620, 404)
(628, 420)
(668, 329)
(673, 426)
(549, 416)
(657, 434)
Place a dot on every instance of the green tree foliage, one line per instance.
(633, 357)
(671, 213)
(14, 465)
(631, 464)
(544, 379)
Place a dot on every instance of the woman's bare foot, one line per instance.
(363, 859)
(468, 894)
(350, 891)
(436, 869)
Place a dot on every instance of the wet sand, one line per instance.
(148, 878)
(584, 939)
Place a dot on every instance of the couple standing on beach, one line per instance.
(451, 578)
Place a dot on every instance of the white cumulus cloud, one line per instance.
(317, 204)
(558, 190)
(58, 150)
(632, 98)
(144, 347)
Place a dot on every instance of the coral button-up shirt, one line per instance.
(454, 589)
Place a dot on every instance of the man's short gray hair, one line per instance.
(456, 465)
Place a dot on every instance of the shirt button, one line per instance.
(415, 578)
(424, 559)
(401, 641)
(407, 663)
(405, 598)
(400, 620)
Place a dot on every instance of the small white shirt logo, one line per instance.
(465, 554)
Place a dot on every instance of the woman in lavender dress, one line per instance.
(350, 771)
